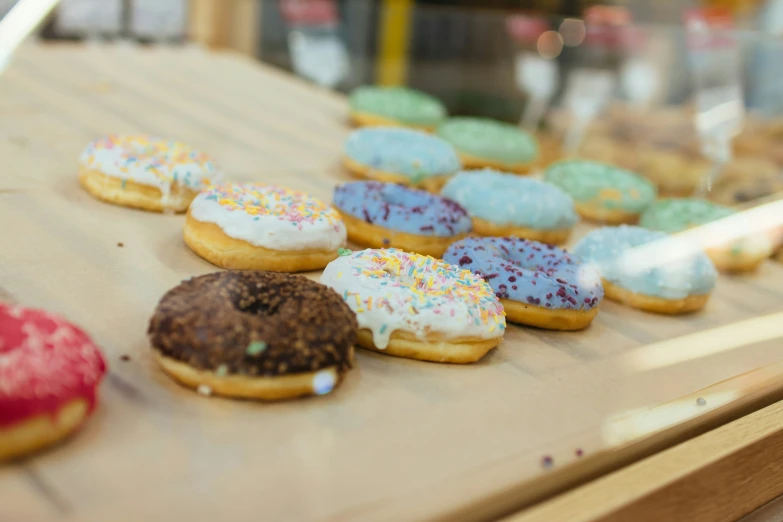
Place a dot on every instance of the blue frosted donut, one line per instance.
(506, 204)
(673, 280)
(395, 209)
(400, 155)
(536, 275)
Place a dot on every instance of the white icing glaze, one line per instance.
(390, 290)
(271, 217)
(150, 161)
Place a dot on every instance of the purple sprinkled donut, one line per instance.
(529, 272)
(400, 208)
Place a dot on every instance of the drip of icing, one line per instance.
(401, 208)
(151, 161)
(509, 199)
(402, 151)
(45, 363)
(605, 247)
(271, 217)
(529, 272)
(391, 290)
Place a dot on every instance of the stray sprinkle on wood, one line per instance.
(547, 462)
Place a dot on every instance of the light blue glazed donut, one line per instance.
(508, 199)
(694, 275)
(402, 151)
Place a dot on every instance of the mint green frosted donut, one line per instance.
(403, 105)
(614, 188)
(675, 215)
(483, 138)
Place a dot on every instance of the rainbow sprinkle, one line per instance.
(283, 203)
(431, 284)
(168, 161)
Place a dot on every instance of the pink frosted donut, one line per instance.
(49, 376)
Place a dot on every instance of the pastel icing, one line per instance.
(390, 290)
(674, 215)
(677, 214)
(508, 199)
(589, 181)
(489, 139)
(401, 208)
(692, 274)
(402, 151)
(529, 272)
(272, 217)
(151, 161)
(401, 104)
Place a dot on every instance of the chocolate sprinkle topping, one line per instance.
(209, 321)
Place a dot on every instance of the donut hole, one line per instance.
(257, 307)
(400, 196)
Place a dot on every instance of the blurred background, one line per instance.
(675, 89)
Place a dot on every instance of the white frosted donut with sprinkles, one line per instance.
(144, 172)
(49, 376)
(251, 226)
(416, 306)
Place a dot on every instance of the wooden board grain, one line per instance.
(399, 440)
(717, 477)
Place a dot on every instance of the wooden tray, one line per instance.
(399, 440)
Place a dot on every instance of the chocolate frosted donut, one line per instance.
(251, 334)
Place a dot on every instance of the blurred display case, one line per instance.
(509, 65)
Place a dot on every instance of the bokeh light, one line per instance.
(572, 31)
(550, 44)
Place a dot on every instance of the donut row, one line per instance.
(252, 226)
(266, 335)
(501, 203)
(473, 142)
(661, 145)
(261, 227)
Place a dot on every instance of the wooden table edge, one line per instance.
(719, 466)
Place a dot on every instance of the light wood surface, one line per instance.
(720, 476)
(400, 439)
(770, 512)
